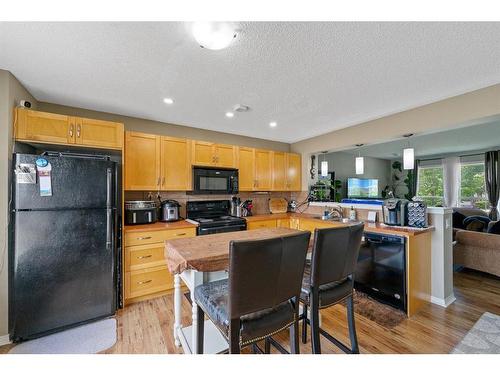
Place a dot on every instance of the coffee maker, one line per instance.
(394, 211)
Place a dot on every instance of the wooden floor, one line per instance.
(146, 327)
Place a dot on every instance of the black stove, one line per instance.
(214, 217)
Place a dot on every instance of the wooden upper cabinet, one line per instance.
(44, 127)
(175, 164)
(98, 133)
(213, 155)
(203, 153)
(246, 163)
(263, 170)
(294, 172)
(279, 171)
(142, 161)
(225, 156)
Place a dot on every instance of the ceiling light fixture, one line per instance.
(214, 35)
(273, 124)
(360, 161)
(230, 114)
(408, 155)
(324, 165)
(168, 101)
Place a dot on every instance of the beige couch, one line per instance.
(477, 250)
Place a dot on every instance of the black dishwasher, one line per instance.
(381, 269)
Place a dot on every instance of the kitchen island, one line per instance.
(199, 260)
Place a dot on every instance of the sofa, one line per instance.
(476, 249)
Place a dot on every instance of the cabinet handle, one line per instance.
(159, 180)
(144, 238)
(163, 181)
(144, 282)
(180, 234)
(145, 256)
(71, 130)
(78, 130)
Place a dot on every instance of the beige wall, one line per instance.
(459, 110)
(161, 128)
(11, 91)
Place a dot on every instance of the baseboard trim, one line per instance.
(444, 302)
(4, 340)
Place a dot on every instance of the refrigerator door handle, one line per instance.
(109, 187)
(109, 229)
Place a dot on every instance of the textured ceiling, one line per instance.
(311, 78)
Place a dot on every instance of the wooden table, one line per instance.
(198, 260)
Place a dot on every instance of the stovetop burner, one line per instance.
(213, 217)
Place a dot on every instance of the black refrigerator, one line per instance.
(63, 257)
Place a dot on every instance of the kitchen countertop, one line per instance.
(159, 225)
(369, 227)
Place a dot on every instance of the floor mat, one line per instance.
(483, 338)
(86, 339)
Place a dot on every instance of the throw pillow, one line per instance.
(475, 225)
(484, 219)
(458, 220)
(495, 228)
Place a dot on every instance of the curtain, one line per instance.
(414, 183)
(451, 181)
(492, 177)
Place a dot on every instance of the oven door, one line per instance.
(215, 181)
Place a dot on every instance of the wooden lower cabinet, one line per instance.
(262, 224)
(146, 272)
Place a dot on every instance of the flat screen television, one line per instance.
(362, 187)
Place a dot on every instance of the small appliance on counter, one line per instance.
(140, 212)
(169, 210)
(278, 205)
(394, 211)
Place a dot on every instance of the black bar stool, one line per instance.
(261, 296)
(328, 280)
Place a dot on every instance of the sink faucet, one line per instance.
(333, 212)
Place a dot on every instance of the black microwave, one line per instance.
(215, 181)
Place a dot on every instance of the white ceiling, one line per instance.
(457, 141)
(311, 78)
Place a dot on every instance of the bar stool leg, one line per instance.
(294, 338)
(304, 323)
(201, 331)
(316, 346)
(234, 336)
(267, 346)
(352, 326)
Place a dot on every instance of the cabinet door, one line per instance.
(203, 153)
(261, 224)
(279, 174)
(263, 170)
(98, 133)
(246, 168)
(175, 164)
(225, 156)
(44, 127)
(142, 161)
(294, 172)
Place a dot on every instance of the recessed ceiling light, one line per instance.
(229, 114)
(214, 35)
(273, 124)
(168, 101)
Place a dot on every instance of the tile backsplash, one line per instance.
(260, 200)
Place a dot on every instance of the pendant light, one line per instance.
(408, 155)
(360, 161)
(324, 165)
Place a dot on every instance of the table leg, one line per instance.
(194, 317)
(177, 308)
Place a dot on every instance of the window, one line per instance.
(430, 185)
(472, 185)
